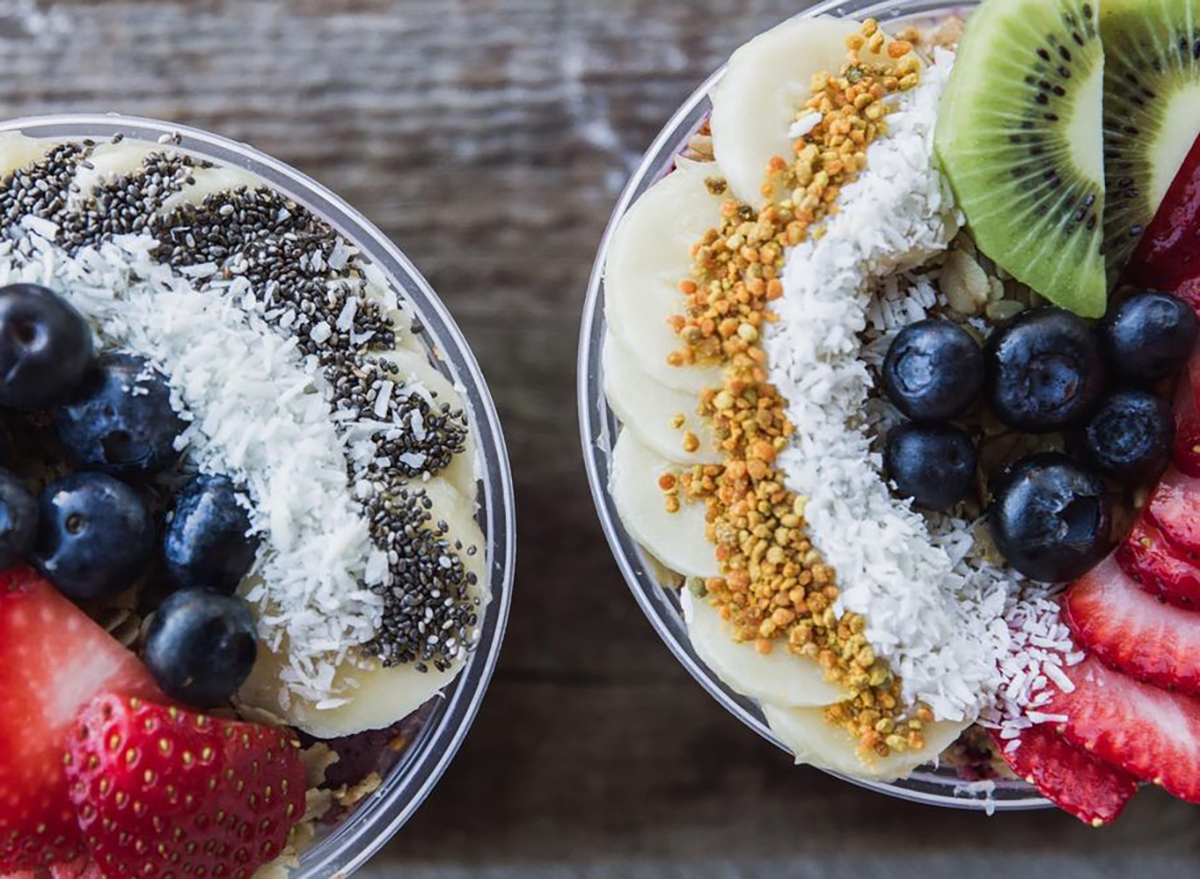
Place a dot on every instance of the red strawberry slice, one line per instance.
(1187, 426)
(1189, 292)
(1093, 791)
(164, 792)
(84, 868)
(1146, 556)
(1132, 631)
(1150, 733)
(53, 661)
(1175, 509)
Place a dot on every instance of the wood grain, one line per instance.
(490, 139)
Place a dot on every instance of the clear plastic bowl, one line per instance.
(599, 427)
(340, 850)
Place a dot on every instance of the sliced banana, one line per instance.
(18, 151)
(210, 181)
(649, 408)
(779, 677)
(817, 743)
(416, 368)
(766, 83)
(108, 161)
(649, 255)
(678, 539)
(378, 697)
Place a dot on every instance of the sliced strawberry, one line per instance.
(84, 868)
(1093, 791)
(1147, 557)
(1189, 292)
(1130, 630)
(1175, 509)
(1187, 427)
(1150, 733)
(164, 792)
(53, 661)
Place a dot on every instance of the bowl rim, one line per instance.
(598, 426)
(378, 817)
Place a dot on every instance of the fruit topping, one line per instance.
(1130, 630)
(121, 421)
(96, 536)
(1044, 370)
(933, 370)
(1186, 452)
(164, 792)
(206, 545)
(53, 661)
(1150, 733)
(1018, 136)
(1150, 125)
(18, 520)
(1131, 435)
(1093, 791)
(1175, 509)
(934, 464)
(1050, 519)
(1149, 336)
(201, 646)
(1147, 557)
(45, 347)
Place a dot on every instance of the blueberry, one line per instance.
(1149, 336)
(45, 347)
(18, 520)
(121, 421)
(1044, 370)
(1050, 518)
(95, 536)
(201, 647)
(934, 464)
(1130, 436)
(206, 546)
(933, 370)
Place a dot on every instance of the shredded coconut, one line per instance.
(261, 417)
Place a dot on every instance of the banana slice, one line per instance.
(648, 408)
(210, 181)
(380, 696)
(678, 540)
(649, 255)
(18, 151)
(779, 677)
(108, 162)
(416, 367)
(820, 744)
(767, 81)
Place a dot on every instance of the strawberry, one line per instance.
(1132, 631)
(1175, 509)
(1146, 556)
(53, 661)
(84, 868)
(1187, 426)
(1150, 733)
(160, 791)
(1093, 791)
(1189, 292)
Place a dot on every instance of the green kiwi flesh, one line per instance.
(1017, 138)
(1151, 111)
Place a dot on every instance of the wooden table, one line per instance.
(490, 138)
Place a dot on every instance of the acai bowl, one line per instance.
(315, 393)
(767, 314)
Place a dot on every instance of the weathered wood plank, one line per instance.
(490, 138)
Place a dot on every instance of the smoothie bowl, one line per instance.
(886, 401)
(258, 534)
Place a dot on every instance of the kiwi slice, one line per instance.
(1151, 110)
(1018, 137)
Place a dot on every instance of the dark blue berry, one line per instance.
(95, 536)
(121, 421)
(201, 647)
(933, 371)
(206, 546)
(934, 464)
(1050, 518)
(45, 347)
(1130, 436)
(1149, 336)
(1044, 371)
(18, 520)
